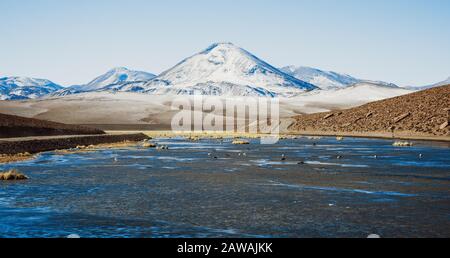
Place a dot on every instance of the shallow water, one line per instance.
(184, 192)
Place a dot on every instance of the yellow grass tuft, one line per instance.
(7, 158)
(91, 148)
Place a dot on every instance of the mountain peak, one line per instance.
(119, 69)
(221, 44)
(226, 69)
(221, 48)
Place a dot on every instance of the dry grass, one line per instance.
(194, 136)
(6, 158)
(11, 175)
(92, 148)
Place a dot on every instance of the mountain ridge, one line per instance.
(108, 81)
(327, 80)
(20, 88)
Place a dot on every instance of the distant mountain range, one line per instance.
(113, 79)
(442, 83)
(327, 80)
(17, 88)
(222, 69)
(322, 79)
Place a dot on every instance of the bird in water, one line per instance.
(420, 155)
(115, 159)
(283, 157)
(339, 157)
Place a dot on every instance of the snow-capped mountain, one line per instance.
(224, 69)
(342, 98)
(368, 91)
(16, 88)
(442, 83)
(115, 79)
(322, 79)
(117, 76)
(328, 80)
(378, 83)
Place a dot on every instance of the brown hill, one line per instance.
(420, 114)
(16, 126)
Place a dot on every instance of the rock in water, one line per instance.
(149, 145)
(12, 175)
(402, 144)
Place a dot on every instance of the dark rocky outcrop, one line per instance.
(16, 126)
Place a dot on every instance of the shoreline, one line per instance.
(375, 135)
(369, 135)
(25, 148)
(31, 145)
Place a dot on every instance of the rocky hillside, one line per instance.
(16, 126)
(423, 113)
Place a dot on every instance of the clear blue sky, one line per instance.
(72, 41)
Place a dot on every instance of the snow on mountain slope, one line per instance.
(16, 88)
(352, 96)
(327, 80)
(116, 76)
(367, 92)
(226, 70)
(442, 83)
(379, 83)
(322, 79)
(113, 79)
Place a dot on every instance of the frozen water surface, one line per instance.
(327, 189)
